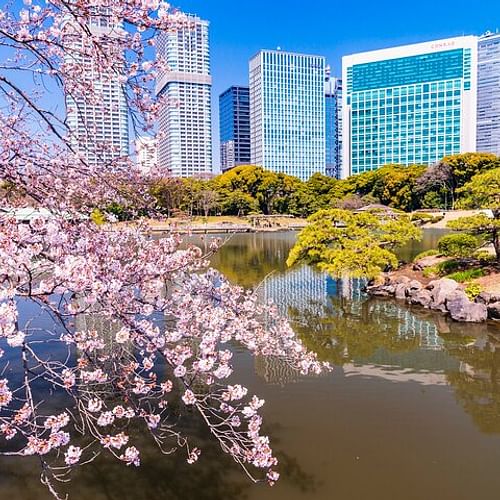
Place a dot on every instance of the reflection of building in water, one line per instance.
(411, 326)
(275, 371)
(297, 288)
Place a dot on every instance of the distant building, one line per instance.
(488, 101)
(333, 95)
(407, 105)
(287, 112)
(185, 127)
(147, 154)
(234, 120)
(99, 130)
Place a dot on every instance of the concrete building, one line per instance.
(99, 130)
(488, 94)
(185, 127)
(407, 105)
(147, 154)
(287, 112)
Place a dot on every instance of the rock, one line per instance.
(400, 280)
(426, 262)
(462, 309)
(483, 298)
(494, 310)
(381, 290)
(400, 291)
(421, 298)
(441, 290)
(414, 285)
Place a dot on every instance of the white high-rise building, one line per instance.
(185, 121)
(488, 96)
(287, 112)
(408, 105)
(147, 154)
(99, 130)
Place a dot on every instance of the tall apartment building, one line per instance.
(488, 97)
(409, 105)
(333, 96)
(99, 130)
(147, 153)
(234, 121)
(287, 112)
(185, 128)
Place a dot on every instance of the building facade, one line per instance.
(99, 129)
(333, 96)
(488, 94)
(185, 127)
(407, 105)
(287, 112)
(234, 121)
(147, 154)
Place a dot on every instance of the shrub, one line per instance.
(449, 266)
(430, 272)
(427, 253)
(458, 245)
(464, 276)
(473, 290)
(484, 256)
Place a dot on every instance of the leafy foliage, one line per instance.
(458, 245)
(344, 243)
(467, 275)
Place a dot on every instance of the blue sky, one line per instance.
(330, 28)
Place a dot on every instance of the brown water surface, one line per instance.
(411, 412)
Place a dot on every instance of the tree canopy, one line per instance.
(350, 244)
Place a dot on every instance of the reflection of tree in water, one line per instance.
(345, 331)
(477, 383)
(247, 259)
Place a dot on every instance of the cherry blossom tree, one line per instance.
(71, 389)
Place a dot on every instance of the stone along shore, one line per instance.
(442, 295)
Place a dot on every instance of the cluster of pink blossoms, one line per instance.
(138, 323)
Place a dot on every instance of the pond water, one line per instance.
(411, 411)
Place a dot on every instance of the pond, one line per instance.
(411, 411)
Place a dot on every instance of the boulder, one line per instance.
(400, 291)
(400, 280)
(414, 285)
(494, 310)
(484, 298)
(421, 298)
(441, 290)
(381, 290)
(462, 309)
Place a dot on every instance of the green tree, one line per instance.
(345, 243)
(483, 191)
(458, 245)
(487, 228)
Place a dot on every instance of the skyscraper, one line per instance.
(488, 94)
(99, 129)
(409, 105)
(287, 112)
(333, 95)
(147, 153)
(185, 128)
(234, 119)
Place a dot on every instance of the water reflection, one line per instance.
(413, 396)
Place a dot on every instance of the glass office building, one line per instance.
(185, 119)
(287, 112)
(488, 94)
(234, 124)
(409, 105)
(333, 95)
